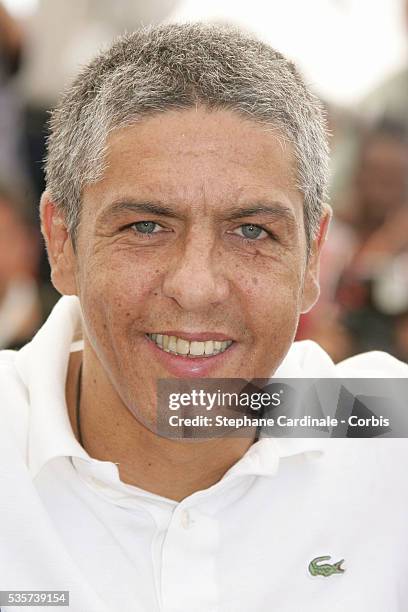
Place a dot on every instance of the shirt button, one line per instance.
(185, 519)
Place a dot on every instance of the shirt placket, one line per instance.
(188, 573)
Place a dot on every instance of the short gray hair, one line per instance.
(177, 66)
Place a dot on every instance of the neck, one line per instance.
(173, 469)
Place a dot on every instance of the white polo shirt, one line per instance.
(67, 522)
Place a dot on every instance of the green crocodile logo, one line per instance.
(325, 569)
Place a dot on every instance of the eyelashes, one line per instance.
(250, 232)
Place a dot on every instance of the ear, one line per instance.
(311, 286)
(60, 250)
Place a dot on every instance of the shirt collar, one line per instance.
(43, 365)
(263, 457)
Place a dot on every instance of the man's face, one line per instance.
(193, 237)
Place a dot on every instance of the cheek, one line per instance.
(271, 294)
(272, 302)
(115, 300)
(115, 295)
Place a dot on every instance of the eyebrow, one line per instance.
(275, 210)
(118, 208)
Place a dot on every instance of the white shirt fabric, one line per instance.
(67, 522)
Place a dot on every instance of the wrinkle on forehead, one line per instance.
(197, 159)
(187, 133)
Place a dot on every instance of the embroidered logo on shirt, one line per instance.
(325, 569)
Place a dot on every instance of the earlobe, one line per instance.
(60, 251)
(311, 287)
(311, 293)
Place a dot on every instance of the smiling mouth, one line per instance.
(186, 348)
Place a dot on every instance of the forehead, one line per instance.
(194, 156)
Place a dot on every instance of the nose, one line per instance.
(195, 278)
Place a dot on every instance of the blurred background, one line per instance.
(353, 53)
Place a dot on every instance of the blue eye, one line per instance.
(251, 232)
(145, 227)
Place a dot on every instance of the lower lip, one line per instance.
(186, 367)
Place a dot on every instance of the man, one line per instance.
(184, 216)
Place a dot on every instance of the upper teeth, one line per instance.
(180, 346)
